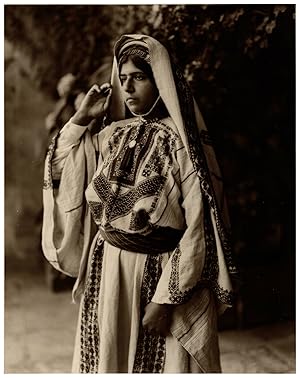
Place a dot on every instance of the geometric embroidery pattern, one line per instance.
(151, 350)
(89, 331)
(120, 205)
(121, 167)
(144, 141)
(156, 162)
(96, 210)
(48, 183)
(197, 154)
(211, 266)
(176, 295)
(209, 276)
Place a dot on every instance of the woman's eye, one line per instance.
(139, 77)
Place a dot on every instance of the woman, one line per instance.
(151, 248)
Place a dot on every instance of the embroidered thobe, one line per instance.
(144, 185)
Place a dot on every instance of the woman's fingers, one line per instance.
(159, 328)
(104, 90)
(157, 319)
(105, 86)
(94, 88)
(96, 101)
(107, 100)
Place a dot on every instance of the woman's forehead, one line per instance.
(129, 67)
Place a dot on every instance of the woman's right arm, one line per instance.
(93, 106)
(67, 139)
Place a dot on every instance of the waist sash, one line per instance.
(160, 240)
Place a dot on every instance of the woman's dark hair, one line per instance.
(140, 64)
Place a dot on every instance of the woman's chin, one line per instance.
(136, 110)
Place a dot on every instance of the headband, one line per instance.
(138, 48)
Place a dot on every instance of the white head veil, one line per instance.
(189, 124)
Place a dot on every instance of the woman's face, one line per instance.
(138, 91)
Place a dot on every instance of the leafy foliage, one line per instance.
(240, 62)
(58, 39)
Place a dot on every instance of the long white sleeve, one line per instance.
(68, 138)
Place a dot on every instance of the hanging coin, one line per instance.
(132, 144)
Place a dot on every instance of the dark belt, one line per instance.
(159, 240)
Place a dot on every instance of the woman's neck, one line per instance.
(158, 112)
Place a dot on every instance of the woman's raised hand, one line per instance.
(94, 105)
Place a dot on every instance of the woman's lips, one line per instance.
(131, 100)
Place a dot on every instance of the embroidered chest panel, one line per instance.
(136, 167)
(150, 145)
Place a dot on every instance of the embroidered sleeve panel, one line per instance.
(195, 263)
(183, 270)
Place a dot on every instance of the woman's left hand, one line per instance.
(157, 318)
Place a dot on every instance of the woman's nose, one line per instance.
(128, 86)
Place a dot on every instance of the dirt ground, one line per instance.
(40, 328)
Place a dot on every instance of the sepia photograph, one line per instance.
(150, 171)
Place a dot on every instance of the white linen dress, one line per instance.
(134, 192)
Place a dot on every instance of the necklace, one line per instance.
(141, 121)
(133, 142)
(145, 114)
